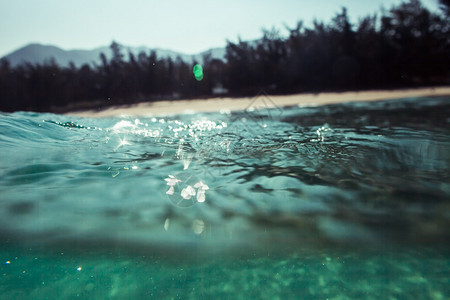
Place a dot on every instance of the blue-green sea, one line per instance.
(345, 201)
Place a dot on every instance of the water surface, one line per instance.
(343, 201)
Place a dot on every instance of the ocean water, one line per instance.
(348, 201)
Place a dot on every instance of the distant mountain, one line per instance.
(37, 53)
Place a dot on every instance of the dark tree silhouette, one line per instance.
(445, 6)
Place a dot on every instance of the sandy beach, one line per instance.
(233, 104)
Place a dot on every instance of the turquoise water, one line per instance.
(346, 201)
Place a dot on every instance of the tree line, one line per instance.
(405, 46)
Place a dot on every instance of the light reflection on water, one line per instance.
(376, 182)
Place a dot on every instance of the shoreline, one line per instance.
(234, 104)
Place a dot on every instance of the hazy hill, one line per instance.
(37, 53)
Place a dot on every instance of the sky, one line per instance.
(188, 26)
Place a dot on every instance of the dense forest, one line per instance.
(406, 45)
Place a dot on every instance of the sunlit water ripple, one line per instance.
(289, 192)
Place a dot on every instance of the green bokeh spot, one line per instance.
(198, 72)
